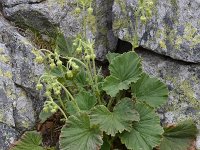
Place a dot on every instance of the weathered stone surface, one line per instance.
(183, 81)
(46, 16)
(174, 30)
(19, 101)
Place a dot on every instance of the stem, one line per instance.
(61, 103)
(46, 51)
(110, 103)
(84, 23)
(96, 81)
(90, 75)
(59, 109)
(72, 58)
(72, 98)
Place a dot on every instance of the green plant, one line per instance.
(103, 113)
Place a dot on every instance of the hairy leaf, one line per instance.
(85, 101)
(146, 133)
(81, 79)
(117, 121)
(64, 46)
(179, 137)
(111, 56)
(30, 140)
(58, 72)
(150, 90)
(125, 69)
(78, 134)
(45, 115)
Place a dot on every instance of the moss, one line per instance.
(10, 94)
(4, 59)
(1, 73)
(1, 50)
(162, 44)
(189, 94)
(185, 93)
(92, 23)
(25, 124)
(8, 74)
(120, 23)
(1, 117)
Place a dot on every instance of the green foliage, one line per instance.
(145, 134)
(150, 90)
(114, 122)
(179, 137)
(99, 111)
(30, 140)
(78, 134)
(122, 75)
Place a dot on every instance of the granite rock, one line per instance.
(19, 101)
(173, 30)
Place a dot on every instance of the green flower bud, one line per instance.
(79, 50)
(53, 110)
(87, 57)
(59, 63)
(57, 92)
(45, 109)
(149, 13)
(77, 10)
(143, 18)
(90, 10)
(150, 3)
(76, 67)
(39, 59)
(93, 56)
(48, 93)
(69, 73)
(74, 44)
(55, 107)
(39, 86)
(52, 65)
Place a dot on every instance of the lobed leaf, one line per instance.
(64, 46)
(111, 56)
(117, 121)
(179, 137)
(78, 134)
(30, 140)
(145, 134)
(85, 101)
(150, 90)
(45, 115)
(125, 69)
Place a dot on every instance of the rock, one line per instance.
(45, 17)
(183, 78)
(19, 101)
(174, 29)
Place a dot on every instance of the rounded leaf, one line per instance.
(117, 121)
(146, 133)
(77, 134)
(182, 134)
(150, 90)
(124, 69)
(30, 140)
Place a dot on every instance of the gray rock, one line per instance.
(19, 101)
(174, 29)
